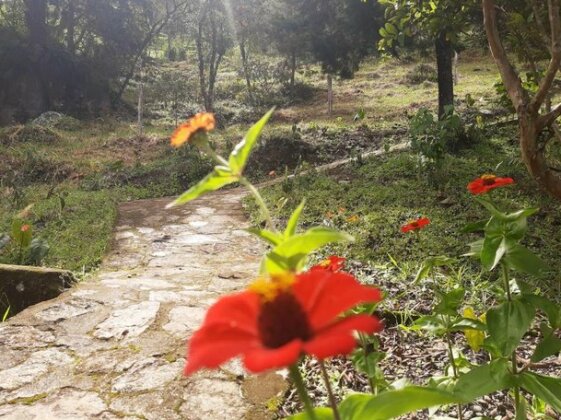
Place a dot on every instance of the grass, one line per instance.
(373, 200)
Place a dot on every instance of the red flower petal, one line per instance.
(487, 183)
(415, 225)
(338, 339)
(213, 345)
(229, 329)
(238, 311)
(262, 359)
(324, 295)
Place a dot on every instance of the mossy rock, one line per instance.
(28, 134)
(22, 286)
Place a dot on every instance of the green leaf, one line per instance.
(292, 253)
(450, 302)
(268, 236)
(491, 207)
(391, 404)
(548, 307)
(546, 388)
(484, 380)
(431, 323)
(220, 177)
(432, 262)
(293, 221)
(475, 227)
(321, 413)
(494, 248)
(523, 260)
(462, 324)
(240, 154)
(549, 346)
(508, 323)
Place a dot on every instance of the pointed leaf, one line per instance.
(507, 324)
(321, 413)
(484, 380)
(293, 221)
(240, 154)
(391, 404)
(523, 260)
(545, 388)
(268, 236)
(220, 177)
(549, 346)
(292, 253)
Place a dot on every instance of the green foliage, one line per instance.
(432, 138)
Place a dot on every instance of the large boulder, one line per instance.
(22, 286)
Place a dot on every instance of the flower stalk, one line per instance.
(329, 389)
(296, 377)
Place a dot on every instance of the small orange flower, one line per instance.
(330, 215)
(415, 225)
(272, 174)
(203, 121)
(353, 219)
(342, 210)
(487, 183)
(25, 228)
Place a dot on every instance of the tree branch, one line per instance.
(509, 76)
(548, 119)
(547, 81)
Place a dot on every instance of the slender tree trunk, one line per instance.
(36, 21)
(245, 64)
(71, 28)
(141, 103)
(292, 71)
(329, 94)
(444, 63)
(456, 64)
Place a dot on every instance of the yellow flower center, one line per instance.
(270, 288)
(488, 179)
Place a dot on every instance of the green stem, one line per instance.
(205, 147)
(514, 359)
(301, 388)
(454, 368)
(260, 202)
(371, 369)
(330, 394)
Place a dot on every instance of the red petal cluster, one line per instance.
(305, 319)
(332, 263)
(487, 183)
(415, 225)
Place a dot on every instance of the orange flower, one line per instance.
(330, 215)
(487, 183)
(272, 173)
(353, 219)
(415, 225)
(332, 263)
(203, 121)
(25, 228)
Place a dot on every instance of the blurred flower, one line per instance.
(332, 263)
(474, 338)
(279, 319)
(342, 210)
(202, 122)
(487, 183)
(272, 173)
(330, 215)
(353, 219)
(25, 228)
(415, 225)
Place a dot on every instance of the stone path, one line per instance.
(113, 347)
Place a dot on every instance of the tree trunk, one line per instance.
(247, 75)
(329, 94)
(71, 28)
(141, 103)
(36, 21)
(292, 71)
(444, 63)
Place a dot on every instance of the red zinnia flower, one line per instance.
(203, 121)
(332, 263)
(415, 225)
(276, 321)
(487, 183)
